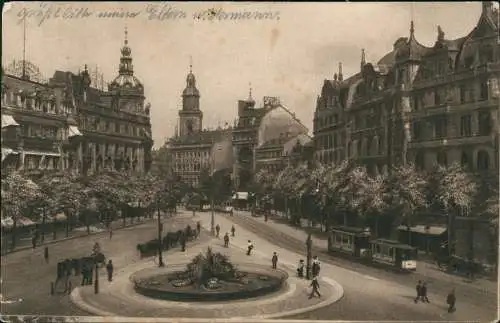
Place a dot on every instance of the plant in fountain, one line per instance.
(210, 268)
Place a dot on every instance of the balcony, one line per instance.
(39, 143)
(453, 141)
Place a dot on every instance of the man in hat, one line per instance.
(274, 260)
(315, 287)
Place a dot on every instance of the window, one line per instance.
(463, 91)
(419, 160)
(359, 147)
(468, 61)
(416, 133)
(442, 159)
(117, 127)
(465, 126)
(440, 127)
(483, 160)
(483, 90)
(465, 160)
(416, 102)
(437, 97)
(484, 120)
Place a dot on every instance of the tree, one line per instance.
(17, 195)
(454, 191)
(406, 193)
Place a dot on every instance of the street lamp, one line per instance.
(96, 280)
(160, 228)
(309, 256)
(212, 218)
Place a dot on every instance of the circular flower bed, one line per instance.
(252, 281)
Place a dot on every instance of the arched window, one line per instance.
(442, 159)
(483, 160)
(419, 160)
(465, 160)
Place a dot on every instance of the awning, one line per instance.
(240, 196)
(8, 121)
(73, 131)
(423, 229)
(41, 153)
(6, 152)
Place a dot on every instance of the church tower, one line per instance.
(190, 117)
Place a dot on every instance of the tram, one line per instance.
(356, 243)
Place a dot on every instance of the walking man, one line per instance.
(423, 291)
(315, 287)
(274, 260)
(217, 230)
(250, 247)
(450, 300)
(226, 240)
(316, 266)
(418, 289)
(198, 229)
(109, 269)
(46, 254)
(233, 230)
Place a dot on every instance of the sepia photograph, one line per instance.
(258, 162)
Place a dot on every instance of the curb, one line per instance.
(74, 237)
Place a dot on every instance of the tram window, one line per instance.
(346, 240)
(377, 248)
(391, 252)
(338, 238)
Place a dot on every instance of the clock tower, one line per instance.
(190, 117)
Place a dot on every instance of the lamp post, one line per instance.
(309, 256)
(96, 280)
(160, 228)
(212, 217)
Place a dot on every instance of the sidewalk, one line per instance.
(24, 244)
(426, 269)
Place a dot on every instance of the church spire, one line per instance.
(363, 58)
(126, 67)
(250, 98)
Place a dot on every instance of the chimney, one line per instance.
(341, 77)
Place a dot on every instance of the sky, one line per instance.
(288, 54)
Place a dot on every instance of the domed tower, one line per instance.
(190, 117)
(127, 90)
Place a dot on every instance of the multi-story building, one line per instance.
(68, 124)
(190, 148)
(425, 105)
(37, 122)
(260, 137)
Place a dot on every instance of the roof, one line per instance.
(392, 243)
(355, 230)
(203, 137)
(429, 230)
(277, 122)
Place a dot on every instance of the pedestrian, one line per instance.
(109, 269)
(198, 229)
(300, 268)
(418, 289)
(315, 287)
(423, 292)
(183, 242)
(33, 241)
(226, 240)
(450, 300)
(85, 274)
(217, 229)
(316, 266)
(250, 247)
(46, 254)
(233, 230)
(110, 232)
(274, 260)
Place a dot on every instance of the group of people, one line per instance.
(421, 289)
(226, 235)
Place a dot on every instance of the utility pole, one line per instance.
(309, 256)
(160, 228)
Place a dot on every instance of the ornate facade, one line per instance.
(418, 104)
(190, 148)
(68, 124)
